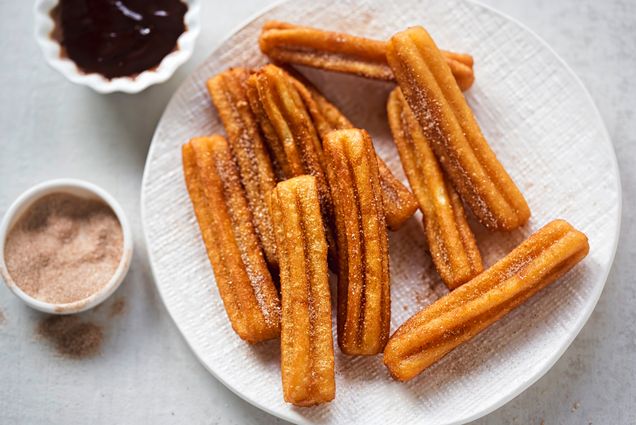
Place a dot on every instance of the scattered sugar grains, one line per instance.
(71, 336)
(117, 308)
(64, 248)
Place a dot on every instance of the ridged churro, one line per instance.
(245, 284)
(399, 202)
(364, 299)
(448, 122)
(450, 239)
(457, 317)
(228, 93)
(332, 51)
(307, 358)
(290, 133)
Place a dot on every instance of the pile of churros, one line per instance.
(294, 189)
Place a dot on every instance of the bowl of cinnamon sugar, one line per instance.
(65, 246)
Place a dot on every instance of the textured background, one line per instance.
(145, 372)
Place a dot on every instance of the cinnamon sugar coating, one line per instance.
(290, 134)
(222, 211)
(399, 202)
(447, 121)
(283, 42)
(364, 297)
(450, 240)
(307, 358)
(228, 93)
(457, 317)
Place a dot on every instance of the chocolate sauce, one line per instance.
(119, 38)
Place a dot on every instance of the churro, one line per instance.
(290, 133)
(221, 208)
(448, 122)
(288, 43)
(228, 93)
(450, 239)
(307, 358)
(364, 299)
(457, 317)
(399, 202)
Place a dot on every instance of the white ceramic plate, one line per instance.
(543, 126)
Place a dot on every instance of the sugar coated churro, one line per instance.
(364, 300)
(450, 239)
(457, 317)
(307, 358)
(288, 43)
(290, 133)
(220, 205)
(399, 202)
(448, 122)
(228, 93)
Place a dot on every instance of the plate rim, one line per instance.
(523, 386)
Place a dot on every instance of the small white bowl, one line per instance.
(52, 53)
(78, 188)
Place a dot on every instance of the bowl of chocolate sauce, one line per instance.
(117, 45)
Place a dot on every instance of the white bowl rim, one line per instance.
(484, 410)
(36, 192)
(51, 50)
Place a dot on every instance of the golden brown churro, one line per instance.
(399, 202)
(228, 93)
(287, 125)
(307, 359)
(450, 240)
(457, 317)
(290, 133)
(287, 43)
(364, 299)
(448, 122)
(245, 284)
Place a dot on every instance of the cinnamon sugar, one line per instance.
(64, 248)
(71, 336)
(117, 308)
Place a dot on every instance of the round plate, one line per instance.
(543, 126)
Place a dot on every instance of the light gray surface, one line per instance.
(145, 371)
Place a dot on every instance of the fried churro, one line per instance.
(450, 239)
(332, 51)
(448, 122)
(290, 133)
(228, 93)
(364, 299)
(457, 317)
(307, 358)
(221, 208)
(399, 202)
